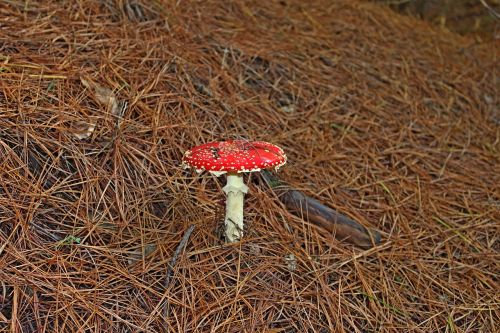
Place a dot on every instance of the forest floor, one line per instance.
(386, 118)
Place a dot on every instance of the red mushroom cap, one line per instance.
(234, 156)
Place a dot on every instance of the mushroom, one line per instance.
(234, 157)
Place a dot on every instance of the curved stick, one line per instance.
(313, 211)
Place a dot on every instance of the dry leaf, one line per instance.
(291, 262)
(104, 96)
(84, 130)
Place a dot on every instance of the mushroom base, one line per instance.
(235, 190)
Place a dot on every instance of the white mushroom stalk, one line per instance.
(235, 191)
(234, 158)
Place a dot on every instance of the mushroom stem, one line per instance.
(235, 190)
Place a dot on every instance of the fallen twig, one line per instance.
(490, 9)
(177, 252)
(173, 261)
(163, 303)
(339, 225)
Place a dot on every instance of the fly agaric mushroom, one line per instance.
(234, 157)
